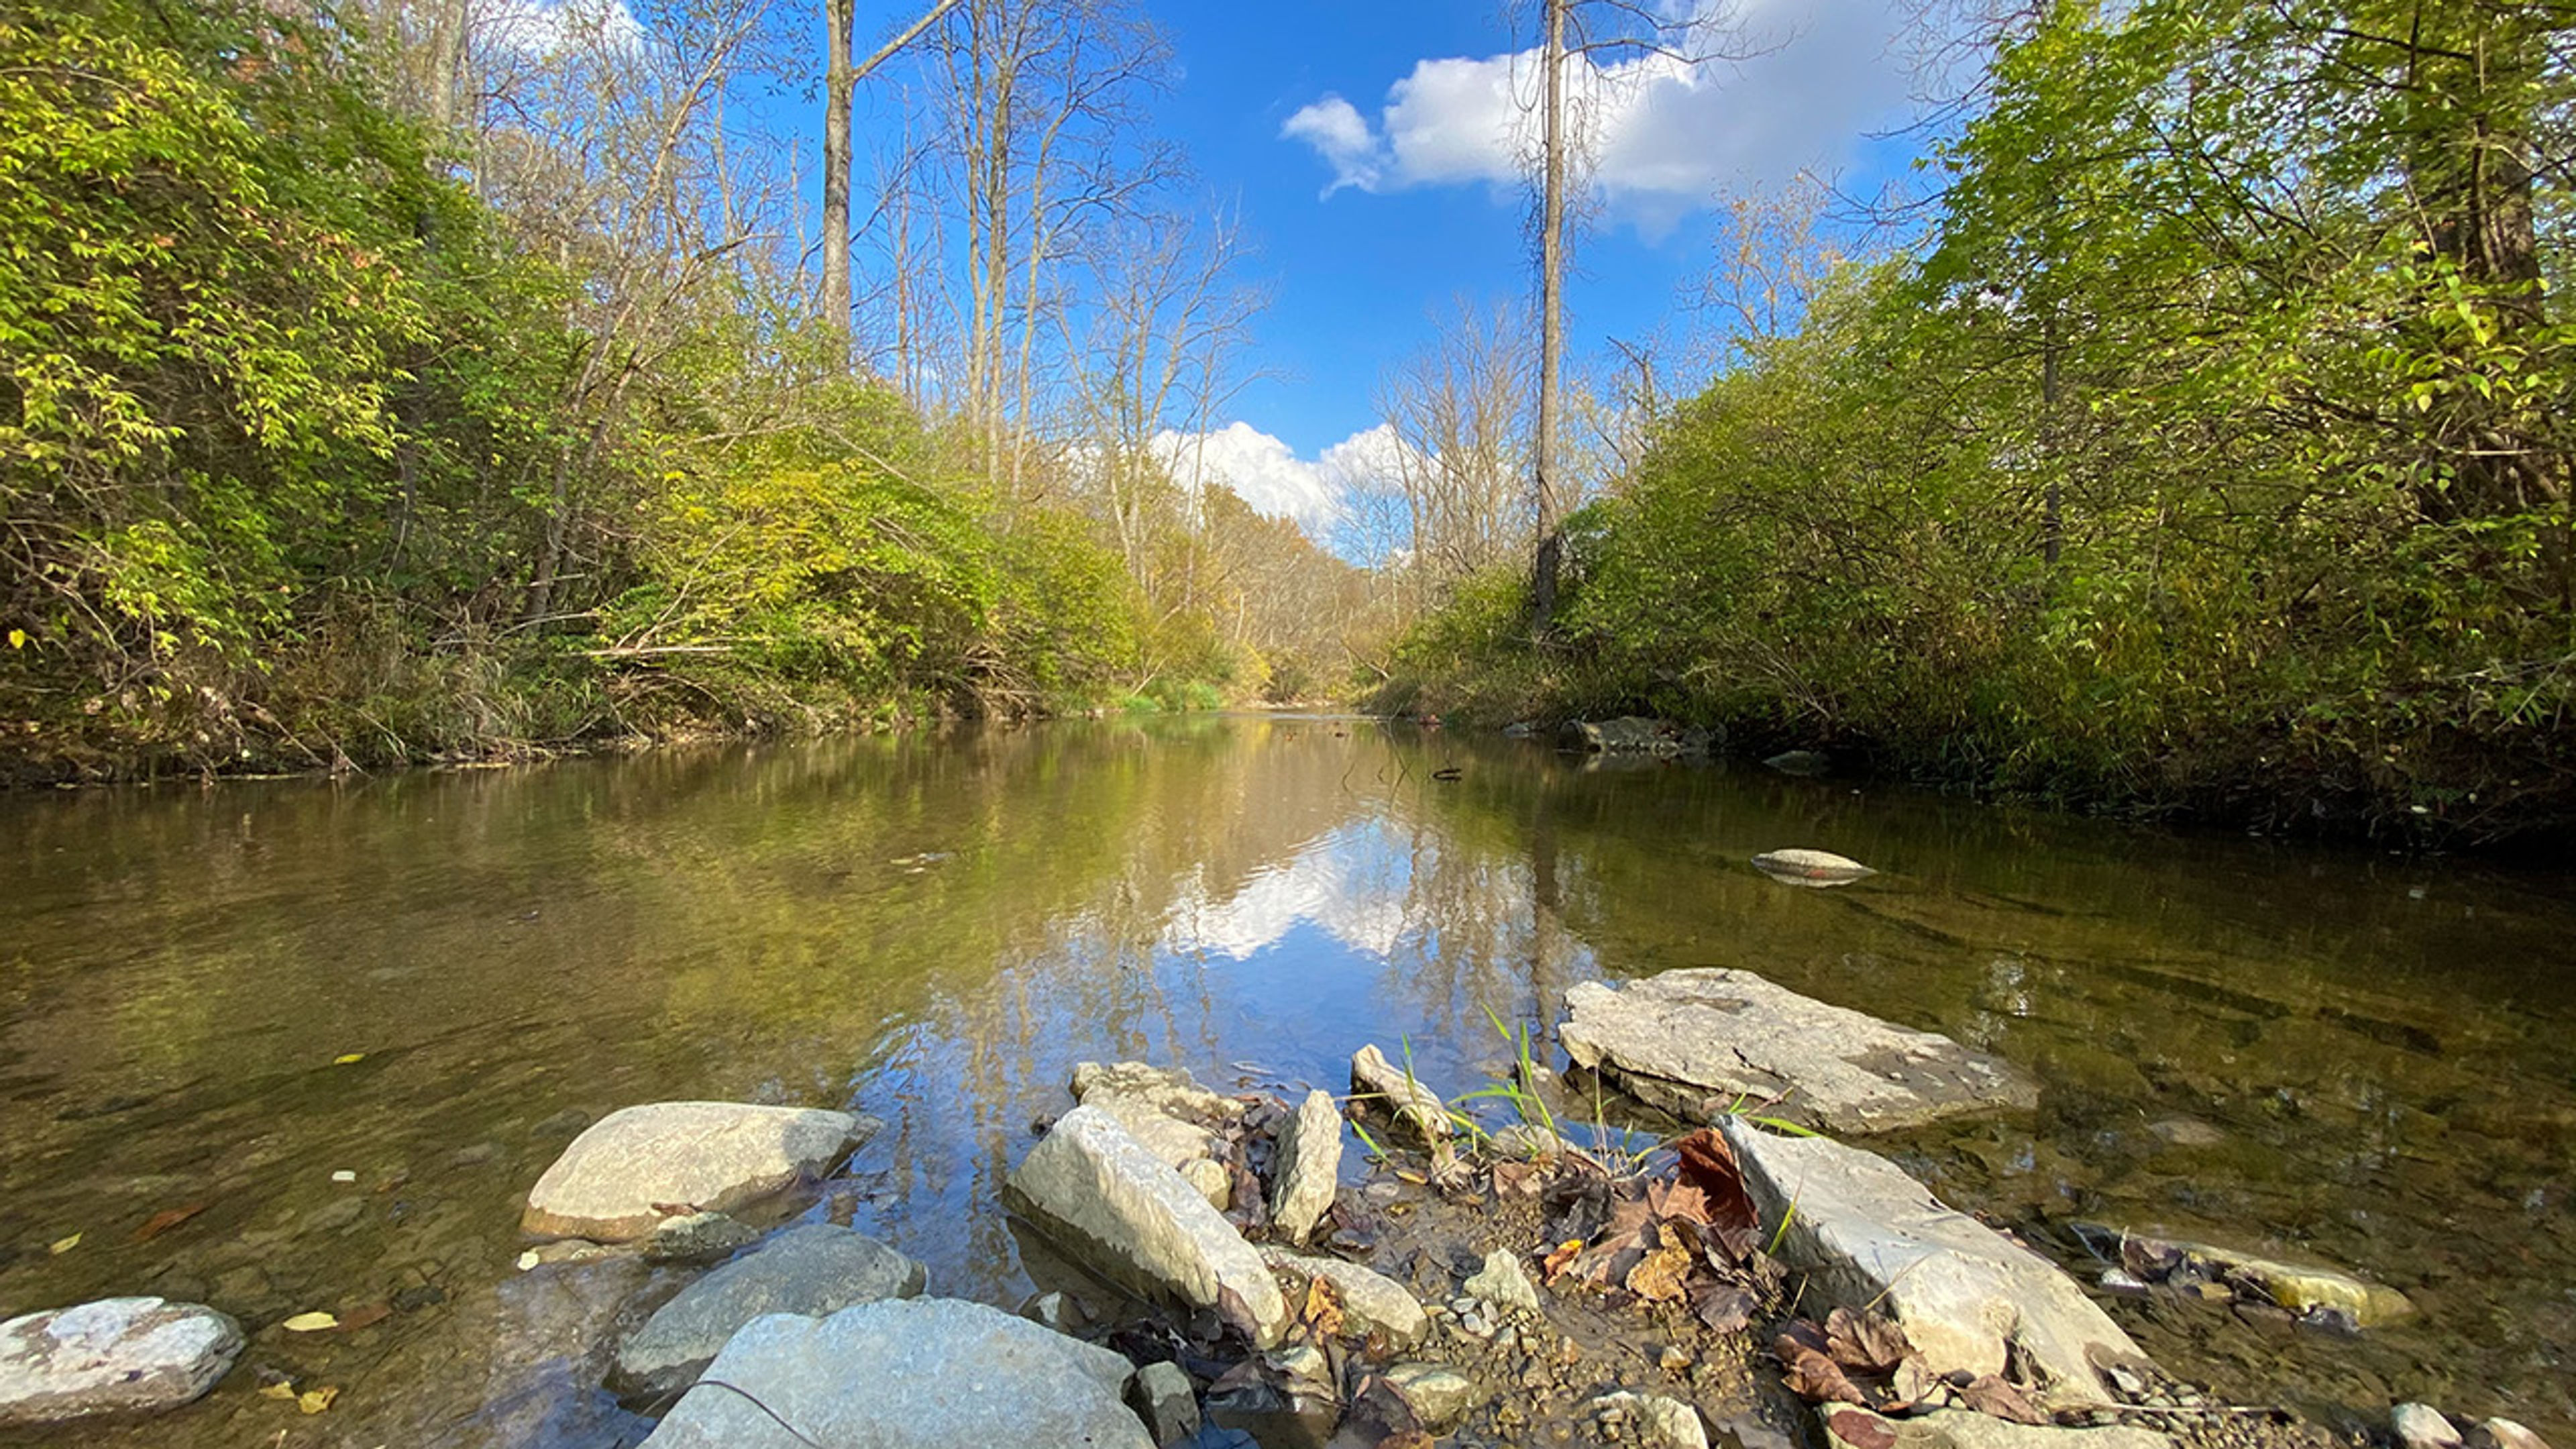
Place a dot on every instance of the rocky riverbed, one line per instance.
(1406, 1264)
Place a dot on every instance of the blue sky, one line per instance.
(1366, 146)
(1425, 214)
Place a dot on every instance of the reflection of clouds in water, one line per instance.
(1351, 883)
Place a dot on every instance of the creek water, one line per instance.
(2346, 1056)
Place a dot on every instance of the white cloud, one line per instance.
(1667, 136)
(545, 29)
(1267, 474)
(1350, 883)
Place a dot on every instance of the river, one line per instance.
(2357, 1057)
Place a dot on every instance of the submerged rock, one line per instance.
(1810, 867)
(1370, 1300)
(1867, 1234)
(812, 1269)
(1504, 1284)
(1632, 735)
(918, 1373)
(1439, 1396)
(1128, 1213)
(2312, 1292)
(1800, 762)
(1701, 1043)
(114, 1356)
(699, 1238)
(1307, 1168)
(1161, 1396)
(1652, 1420)
(2421, 1426)
(1847, 1427)
(636, 1167)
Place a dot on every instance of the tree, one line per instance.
(840, 84)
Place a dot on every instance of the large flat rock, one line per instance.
(114, 1356)
(1847, 1427)
(1371, 1301)
(908, 1373)
(811, 1269)
(1700, 1043)
(637, 1166)
(1307, 1168)
(1127, 1213)
(1866, 1234)
(1164, 1107)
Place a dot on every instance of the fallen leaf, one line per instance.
(282, 1390)
(310, 1323)
(60, 1246)
(166, 1219)
(372, 1313)
(1709, 1165)
(1724, 1307)
(528, 1260)
(1989, 1394)
(1323, 1311)
(1818, 1379)
(1562, 1255)
(314, 1401)
(1659, 1277)
(1867, 1343)
(348, 1058)
(1861, 1431)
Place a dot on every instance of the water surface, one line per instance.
(2355, 1057)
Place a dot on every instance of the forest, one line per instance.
(389, 383)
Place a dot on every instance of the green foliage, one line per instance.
(2209, 455)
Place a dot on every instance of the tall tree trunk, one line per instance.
(1551, 284)
(838, 84)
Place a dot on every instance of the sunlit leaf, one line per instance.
(313, 1322)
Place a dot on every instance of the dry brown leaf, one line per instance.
(1989, 1394)
(1709, 1165)
(360, 1317)
(166, 1219)
(1867, 1343)
(1818, 1379)
(1724, 1307)
(1323, 1310)
(314, 1401)
(1661, 1276)
(1560, 1257)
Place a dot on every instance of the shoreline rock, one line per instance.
(111, 1356)
(813, 1269)
(1091, 1184)
(1307, 1167)
(1868, 1234)
(1699, 1042)
(628, 1173)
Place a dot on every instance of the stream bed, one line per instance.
(299, 1045)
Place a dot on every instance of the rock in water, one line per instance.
(1867, 1234)
(1371, 1301)
(1438, 1396)
(812, 1269)
(1632, 735)
(1166, 1109)
(2309, 1291)
(638, 1166)
(1847, 1427)
(917, 1373)
(699, 1238)
(1698, 1043)
(2421, 1426)
(1654, 1421)
(1309, 1166)
(1161, 1396)
(2504, 1434)
(1810, 867)
(1800, 762)
(114, 1356)
(1092, 1185)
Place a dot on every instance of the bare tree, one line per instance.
(840, 83)
(1457, 413)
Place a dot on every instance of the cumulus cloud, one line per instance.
(1266, 473)
(545, 29)
(1665, 136)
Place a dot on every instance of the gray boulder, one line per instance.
(622, 1177)
(919, 1373)
(1504, 1284)
(1371, 1301)
(1164, 1108)
(1307, 1168)
(2421, 1426)
(1697, 1043)
(114, 1356)
(1867, 1234)
(812, 1269)
(1847, 1427)
(1091, 1185)
(1162, 1396)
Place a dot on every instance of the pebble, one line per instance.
(2420, 1426)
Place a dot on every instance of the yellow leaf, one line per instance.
(279, 1390)
(342, 1061)
(17, 638)
(310, 1323)
(60, 1246)
(314, 1401)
